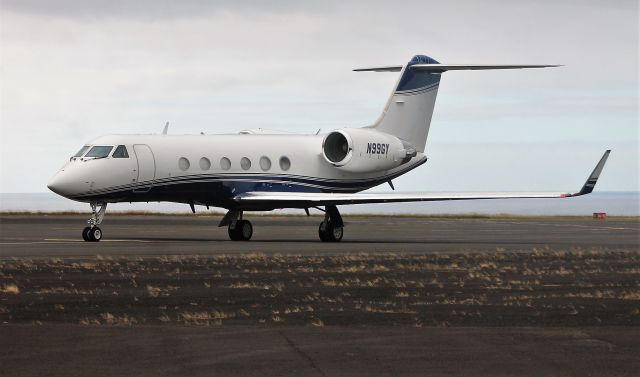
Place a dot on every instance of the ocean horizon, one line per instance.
(613, 203)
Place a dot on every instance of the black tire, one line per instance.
(329, 233)
(242, 230)
(95, 234)
(245, 230)
(85, 234)
(234, 234)
(322, 231)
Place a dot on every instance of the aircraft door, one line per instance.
(146, 167)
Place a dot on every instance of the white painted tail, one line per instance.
(407, 114)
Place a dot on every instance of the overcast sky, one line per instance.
(74, 70)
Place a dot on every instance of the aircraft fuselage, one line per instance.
(212, 169)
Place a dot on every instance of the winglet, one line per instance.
(593, 178)
(166, 128)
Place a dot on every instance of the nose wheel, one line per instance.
(93, 233)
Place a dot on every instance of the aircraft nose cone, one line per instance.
(60, 185)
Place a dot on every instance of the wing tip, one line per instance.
(590, 184)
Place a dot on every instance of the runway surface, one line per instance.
(170, 295)
(199, 235)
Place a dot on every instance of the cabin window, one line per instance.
(183, 163)
(205, 164)
(81, 151)
(120, 152)
(265, 163)
(225, 163)
(285, 163)
(245, 163)
(99, 151)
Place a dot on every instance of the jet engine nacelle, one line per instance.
(361, 150)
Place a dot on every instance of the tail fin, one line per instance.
(409, 109)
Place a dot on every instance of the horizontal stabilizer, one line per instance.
(474, 67)
(454, 67)
(393, 68)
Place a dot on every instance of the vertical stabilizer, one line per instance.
(408, 112)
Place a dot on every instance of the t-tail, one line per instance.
(409, 109)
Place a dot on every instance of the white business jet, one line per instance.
(262, 170)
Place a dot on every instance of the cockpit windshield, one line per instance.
(81, 151)
(99, 151)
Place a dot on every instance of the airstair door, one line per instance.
(146, 168)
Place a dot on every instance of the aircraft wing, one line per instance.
(304, 200)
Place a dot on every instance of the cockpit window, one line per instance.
(120, 152)
(81, 151)
(99, 151)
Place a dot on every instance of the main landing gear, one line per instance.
(330, 229)
(93, 233)
(239, 229)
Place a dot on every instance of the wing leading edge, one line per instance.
(302, 200)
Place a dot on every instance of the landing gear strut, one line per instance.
(331, 228)
(239, 229)
(93, 233)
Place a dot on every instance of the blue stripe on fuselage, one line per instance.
(216, 190)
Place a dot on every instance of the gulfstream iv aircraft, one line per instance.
(262, 170)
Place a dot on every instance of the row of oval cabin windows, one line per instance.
(225, 163)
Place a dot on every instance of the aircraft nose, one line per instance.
(61, 184)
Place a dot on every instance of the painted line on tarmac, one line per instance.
(594, 227)
(105, 240)
(62, 241)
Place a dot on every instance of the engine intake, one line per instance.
(337, 148)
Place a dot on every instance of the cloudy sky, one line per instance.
(74, 70)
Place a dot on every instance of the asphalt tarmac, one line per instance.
(171, 295)
(199, 235)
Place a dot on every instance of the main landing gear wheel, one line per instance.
(90, 234)
(330, 233)
(240, 230)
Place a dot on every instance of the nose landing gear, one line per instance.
(93, 233)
